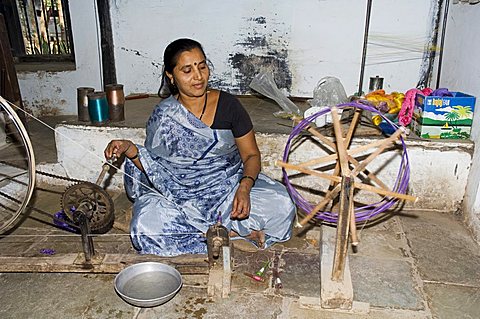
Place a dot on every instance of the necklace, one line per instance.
(204, 106)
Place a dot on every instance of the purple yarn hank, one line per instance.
(441, 92)
(47, 251)
(362, 213)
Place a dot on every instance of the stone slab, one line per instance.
(451, 301)
(444, 249)
(382, 240)
(385, 283)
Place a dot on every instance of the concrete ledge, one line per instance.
(435, 165)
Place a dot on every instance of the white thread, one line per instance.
(84, 148)
(103, 235)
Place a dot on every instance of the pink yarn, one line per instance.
(427, 91)
(406, 112)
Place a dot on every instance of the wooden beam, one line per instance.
(353, 125)
(370, 175)
(348, 139)
(322, 138)
(308, 171)
(353, 221)
(101, 263)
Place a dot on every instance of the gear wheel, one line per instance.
(100, 211)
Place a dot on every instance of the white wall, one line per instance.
(302, 41)
(299, 41)
(55, 93)
(461, 71)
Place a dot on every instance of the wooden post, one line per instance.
(9, 89)
(343, 224)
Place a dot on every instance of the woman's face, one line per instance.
(191, 73)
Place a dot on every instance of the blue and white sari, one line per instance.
(192, 173)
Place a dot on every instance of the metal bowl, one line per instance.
(148, 284)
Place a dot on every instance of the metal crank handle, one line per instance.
(105, 169)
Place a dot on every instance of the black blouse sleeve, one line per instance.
(232, 115)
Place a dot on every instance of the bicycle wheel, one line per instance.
(17, 166)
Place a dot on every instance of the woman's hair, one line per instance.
(170, 59)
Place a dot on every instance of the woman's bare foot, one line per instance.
(257, 236)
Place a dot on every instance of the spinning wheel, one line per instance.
(94, 201)
(17, 166)
(349, 175)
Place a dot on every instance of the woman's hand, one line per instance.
(241, 201)
(118, 147)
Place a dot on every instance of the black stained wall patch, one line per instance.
(254, 42)
(249, 65)
(262, 45)
(260, 20)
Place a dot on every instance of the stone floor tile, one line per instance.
(384, 283)
(444, 250)
(451, 301)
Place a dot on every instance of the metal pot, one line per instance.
(148, 284)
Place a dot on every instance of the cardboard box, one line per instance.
(443, 117)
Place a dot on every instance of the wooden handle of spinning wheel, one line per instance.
(105, 168)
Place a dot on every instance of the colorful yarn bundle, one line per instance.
(363, 213)
(406, 112)
(399, 103)
(386, 103)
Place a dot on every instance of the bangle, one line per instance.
(133, 158)
(249, 177)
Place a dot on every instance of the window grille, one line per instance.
(43, 27)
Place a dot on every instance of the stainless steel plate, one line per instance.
(148, 284)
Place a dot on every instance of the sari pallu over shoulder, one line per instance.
(187, 162)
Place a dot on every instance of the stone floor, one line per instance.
(415, 264)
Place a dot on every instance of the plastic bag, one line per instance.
(328, 92)
(264, 84)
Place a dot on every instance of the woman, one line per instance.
(200, 164)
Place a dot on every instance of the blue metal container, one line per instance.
(98, 107)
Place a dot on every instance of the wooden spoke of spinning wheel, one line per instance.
(332, 157)
(338, 179)
(347, 141)
(347, 158)
(334, 192)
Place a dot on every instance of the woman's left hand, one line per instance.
(241, 203)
